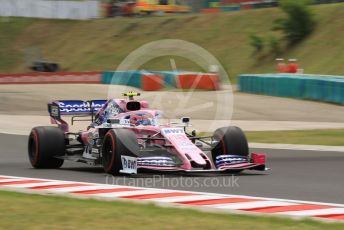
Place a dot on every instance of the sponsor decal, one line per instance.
(178, 138)
(68, 107)
(124, 122)
(169, 131)
(156, 161)
(230, 159)
(129, 165)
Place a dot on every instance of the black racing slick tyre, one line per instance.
(231, 141)
(45, 144)
(118, 142)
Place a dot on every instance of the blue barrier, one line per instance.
(158, 79)
(312, 87)
(130, 78)
(169, 77)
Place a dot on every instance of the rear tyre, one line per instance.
(44, 145)
(117, 142)
(231, 141)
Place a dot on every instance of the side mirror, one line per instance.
(185, 119)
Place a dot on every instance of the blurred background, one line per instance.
(98, 35)
(279, 77)
(295, 47)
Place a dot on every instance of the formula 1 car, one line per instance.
(125, 136)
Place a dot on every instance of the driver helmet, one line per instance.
(139, 119)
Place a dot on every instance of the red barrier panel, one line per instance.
(211, 10)
(51, 78)
(198, 81)
(292, 68)
(151, 82)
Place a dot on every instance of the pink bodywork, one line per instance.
(179, 144)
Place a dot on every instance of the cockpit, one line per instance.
(137, 118)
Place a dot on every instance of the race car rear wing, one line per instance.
(74, 107)
(77, 108)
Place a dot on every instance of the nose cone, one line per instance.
(184, 146)
(196, 157)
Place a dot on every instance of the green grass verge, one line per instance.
(104, 43)
(309, 137)
(24, 211)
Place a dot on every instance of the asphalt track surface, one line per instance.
(295, 174)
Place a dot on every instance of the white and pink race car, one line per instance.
(125, 136)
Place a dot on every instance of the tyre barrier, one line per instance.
(51, 78)
(304, 86)
(190, 80)
(152, 82)
(147, 81)
(198, 81)
(169, 77)
(139, 79)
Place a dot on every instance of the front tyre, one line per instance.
(117, 142)
(231, 141)
(44, 145)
